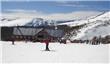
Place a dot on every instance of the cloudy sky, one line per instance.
(55, 9)
(55, 6)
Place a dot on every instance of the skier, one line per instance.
(87, 41)
(100, 40)
(13, 40)
(47, 44)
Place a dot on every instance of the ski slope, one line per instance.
(91, 24)
(98, 31)
(70, 53)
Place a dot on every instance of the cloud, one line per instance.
(23, 11)
(53, 16)
(73, 5)
(70, 4)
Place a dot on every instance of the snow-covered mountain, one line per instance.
(8, 19)
(97, 26)
(14, 22)
(40, 22)
(18, 21)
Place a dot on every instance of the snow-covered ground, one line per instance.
(34, 52)
(0, 52)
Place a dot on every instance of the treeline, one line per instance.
(95, 40)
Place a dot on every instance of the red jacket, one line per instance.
(46, 41)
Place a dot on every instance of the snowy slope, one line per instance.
(34, 52)
(91, 24)
(98, 31)
(19, 22)
(102, 16)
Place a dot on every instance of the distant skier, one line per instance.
(47, 44)
(87, 41)
(13, 40)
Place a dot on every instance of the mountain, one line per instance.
(40, 22)
(43, 22)
(14, 21)
(97, 26)
(10, 19)
(19, 21)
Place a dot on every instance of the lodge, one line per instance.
(29, 33)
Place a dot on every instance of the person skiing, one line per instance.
(46, 41)
(13, 40)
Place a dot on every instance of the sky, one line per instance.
(54, 10)
(54, 6)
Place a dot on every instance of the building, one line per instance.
(29, 33)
